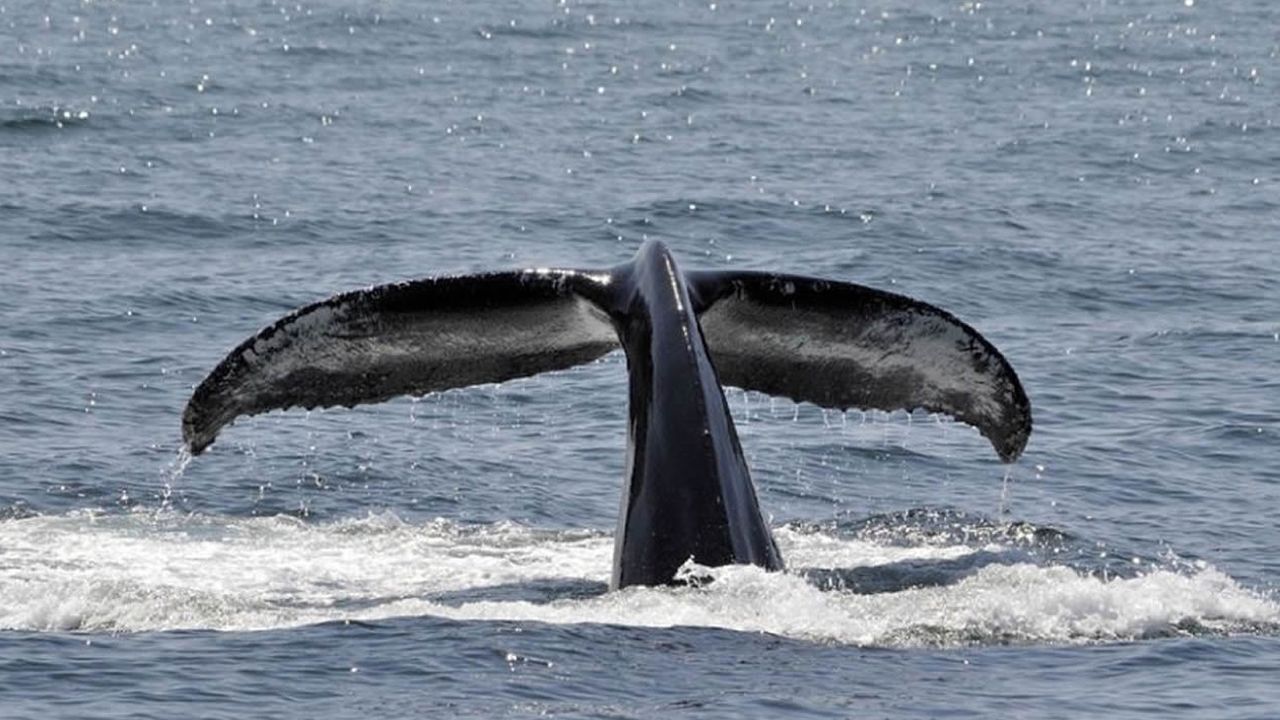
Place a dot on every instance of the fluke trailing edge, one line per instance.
(688, 492)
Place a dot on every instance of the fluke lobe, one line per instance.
(688, 494)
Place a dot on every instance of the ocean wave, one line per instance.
(41, 118)
(144, 571)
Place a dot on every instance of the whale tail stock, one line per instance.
(835, 344)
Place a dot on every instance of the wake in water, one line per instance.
(922, 578)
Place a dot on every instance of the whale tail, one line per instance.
(688, 493)
(835, 344)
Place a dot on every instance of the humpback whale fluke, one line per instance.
(688, 493)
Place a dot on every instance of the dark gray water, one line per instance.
(1091, 184)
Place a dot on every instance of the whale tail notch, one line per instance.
(835, 344)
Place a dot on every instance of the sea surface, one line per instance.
(1093, 184)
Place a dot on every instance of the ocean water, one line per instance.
(1092, 184)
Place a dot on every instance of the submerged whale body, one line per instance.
(688, 493)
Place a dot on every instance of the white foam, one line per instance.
(138, 573)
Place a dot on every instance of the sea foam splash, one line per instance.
(146, 572)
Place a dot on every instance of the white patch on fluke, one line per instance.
(86, 572)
